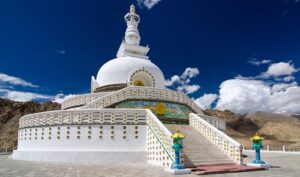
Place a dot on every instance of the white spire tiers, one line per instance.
(131, 45)
(132, 19)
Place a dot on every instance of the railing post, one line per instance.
(283, 148)
(268, 148)
(6, 150)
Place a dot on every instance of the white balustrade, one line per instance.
(226, 144)
(80, 100)
(88, 116)
(215, 121)
(145, 93)
(159, 142)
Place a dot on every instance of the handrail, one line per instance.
(163, 137)
(229, 146)
(149, 93)
(215, 121)
(79, 100)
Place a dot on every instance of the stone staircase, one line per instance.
(198, 150)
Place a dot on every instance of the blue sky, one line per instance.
(58, 45)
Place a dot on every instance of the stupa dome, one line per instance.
(130, 71)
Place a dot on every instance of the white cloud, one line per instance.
(244, 96)
(280, 69)
(282, 86)
(188, 89)
(181, 83)
(61, 52)
(286, 101)
(7, 90)
(256, 62)
(11, 80)
(59, 98)
(174, 79)
(22, 96)
(269, 91)
(190, 73)
(289, 78)
(205, 102)
(148, 3)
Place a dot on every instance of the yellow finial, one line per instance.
(256, 137)
(132, 9)
(177, 135)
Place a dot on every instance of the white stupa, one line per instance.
(129, 116)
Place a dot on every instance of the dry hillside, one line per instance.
(277, 129)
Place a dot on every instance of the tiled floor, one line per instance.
(284, 165)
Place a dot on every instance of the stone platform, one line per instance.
(283, 165)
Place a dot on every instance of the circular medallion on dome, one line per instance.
(142, 77)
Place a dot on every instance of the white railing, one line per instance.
(230, 147)
(145, 93)
(159, 142)
(80, 100)
(284, 148)
(77, 117)
(215, 121)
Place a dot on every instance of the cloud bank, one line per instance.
(8, 90)
(11, 80)
(206, 101)
(273, 91)
(182, 82)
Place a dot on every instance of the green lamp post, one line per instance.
(257, 145)
(176, 167)
(177, 146)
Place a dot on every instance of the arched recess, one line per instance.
(141, 77)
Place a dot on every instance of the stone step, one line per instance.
(197, 149)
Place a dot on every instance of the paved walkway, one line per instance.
(284, 165)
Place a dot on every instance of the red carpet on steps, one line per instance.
(223, 168)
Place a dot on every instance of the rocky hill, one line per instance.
(277, 129)
(11, 111)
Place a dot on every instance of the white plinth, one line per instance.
(266, 165)
(178, 172)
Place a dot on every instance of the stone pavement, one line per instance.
(284, 165)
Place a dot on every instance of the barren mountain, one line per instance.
(277, 129)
